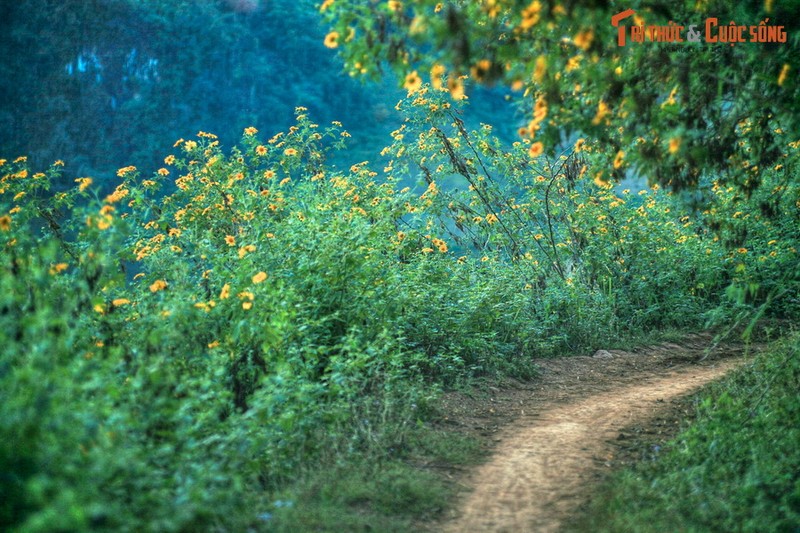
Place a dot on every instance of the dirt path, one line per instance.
(562, 431)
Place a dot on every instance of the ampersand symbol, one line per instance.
(692, 35)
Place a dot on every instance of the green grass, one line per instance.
(375, 492)
(736, 468)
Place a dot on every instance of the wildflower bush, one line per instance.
(177, 350)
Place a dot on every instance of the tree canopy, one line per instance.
(699, 88)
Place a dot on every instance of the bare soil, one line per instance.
(555, 438)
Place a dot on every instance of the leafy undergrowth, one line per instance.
(735, 468)
(379, 491)
(179, 350)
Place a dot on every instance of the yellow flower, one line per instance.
(250, 131)
(481, 69)
(58, 163)
(58, 268)
(540, 69)
(258, 278)
(579, 145)
(244, 250)
(530, 15)
(427, 250)
(536, 149)
(248, 296)
(332, 39)
(394, 5)
(125, 170)
(742, 250)
(158, 285)
(485, 258)
(119, 193)
(491, 218)
(412, 82)
(225, 293)
(230, 240)
(104, 222)
(170, 159)
(599, 180)
(261, 149)
(83, 183)
(583, 39)
(456, 88)
(573, 63)
(784, 73)
(440, 244)
(290, 152)
(19, 195)
(325, 5)
(163, 172)
(437, 71)
(213, 345)
(118, 302)
(674, 144)
(269, 174)
(602, 111)
(619, 159)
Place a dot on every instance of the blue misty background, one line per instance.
(108, 83)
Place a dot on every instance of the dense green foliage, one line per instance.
(737, 468)
(176, 350)
(669, 110)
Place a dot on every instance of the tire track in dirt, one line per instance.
(540, 469)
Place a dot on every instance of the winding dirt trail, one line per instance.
(566, 428)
